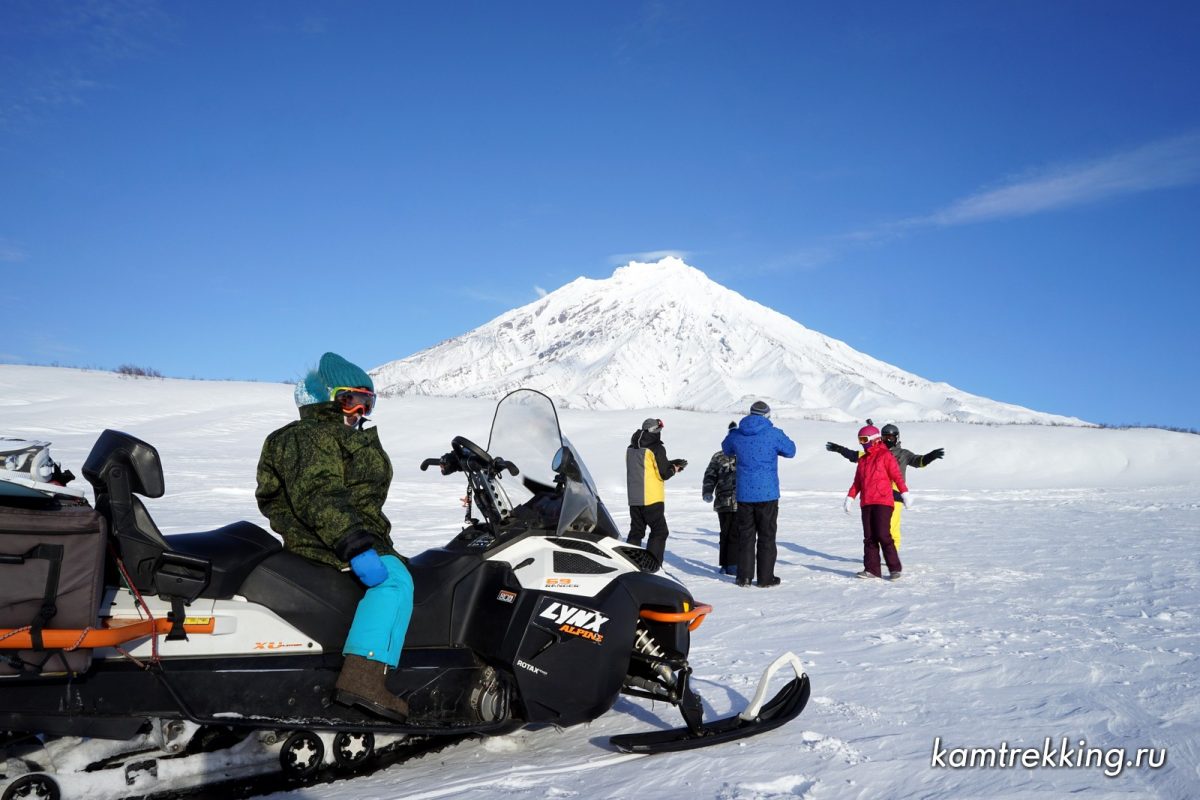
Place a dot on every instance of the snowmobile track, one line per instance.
(260, 785)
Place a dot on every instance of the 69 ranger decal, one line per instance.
(573, 620)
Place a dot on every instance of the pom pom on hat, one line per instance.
(305, 397)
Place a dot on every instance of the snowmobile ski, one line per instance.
(758, 718)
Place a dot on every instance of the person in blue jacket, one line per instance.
(757, 444)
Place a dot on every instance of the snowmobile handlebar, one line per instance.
(465, 455)
(501, 464)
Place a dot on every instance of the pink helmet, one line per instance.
(868, 434)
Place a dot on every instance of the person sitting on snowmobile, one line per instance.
(891, 437)
(322, 483)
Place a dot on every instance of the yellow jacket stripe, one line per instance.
(643, 481)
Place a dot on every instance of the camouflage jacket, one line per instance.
(720, 480)
(322, 484)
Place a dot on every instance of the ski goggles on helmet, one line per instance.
(864, 439)
(353, 399)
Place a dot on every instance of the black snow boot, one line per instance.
(362, 683)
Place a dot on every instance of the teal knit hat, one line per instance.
(332, 372)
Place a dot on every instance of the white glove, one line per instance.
(906, 498)
(847, 503)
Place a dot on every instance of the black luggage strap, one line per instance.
(177, 616)
(54, 554)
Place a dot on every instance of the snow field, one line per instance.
(1050, 590)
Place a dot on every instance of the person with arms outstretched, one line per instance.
(877, 472)
(905, 458)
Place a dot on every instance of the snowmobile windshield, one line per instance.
(525, 431)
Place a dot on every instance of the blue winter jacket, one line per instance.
(757, 444)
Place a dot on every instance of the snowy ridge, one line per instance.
(664, 335)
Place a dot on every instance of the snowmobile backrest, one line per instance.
(116, 452)
(150, 561)
(120, 467)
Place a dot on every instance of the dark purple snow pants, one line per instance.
(877, 534)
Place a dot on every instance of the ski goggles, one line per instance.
(353, 399)
(865, 439)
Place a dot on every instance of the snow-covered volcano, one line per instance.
(664, 335)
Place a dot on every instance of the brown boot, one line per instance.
(362, 683)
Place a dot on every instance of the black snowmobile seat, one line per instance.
(318, 599)
(233, 551)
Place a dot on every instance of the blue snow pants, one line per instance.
(382, 617)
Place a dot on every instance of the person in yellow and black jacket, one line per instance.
(646, 469)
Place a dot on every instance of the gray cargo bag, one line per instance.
(51, 576)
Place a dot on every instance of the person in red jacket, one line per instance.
(873, 478)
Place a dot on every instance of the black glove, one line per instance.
(844, 452)
(678, 463)
(932, 455)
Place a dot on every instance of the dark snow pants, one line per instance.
(653, 516)
(756, 541)
(877, 535)
(729, 538)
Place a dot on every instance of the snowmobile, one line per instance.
(222, 645)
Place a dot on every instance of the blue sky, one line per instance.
(1003, 196)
